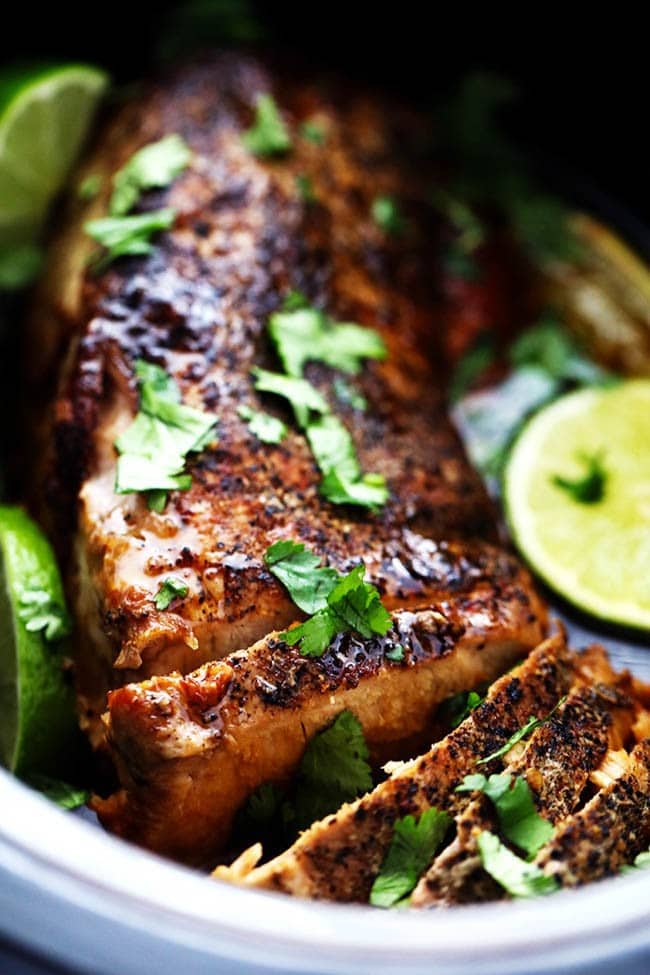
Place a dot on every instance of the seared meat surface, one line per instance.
(556, 764)
(198, 306)
(191, 750)
(339, 858)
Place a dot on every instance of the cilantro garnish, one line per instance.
(346, 394)
(471, 366)
(590, 488)
(386, 214)
(267, 428)
(343, 481)
(39, 610)
(412, 849)
(313, 131)
(170, 589)
(549, 346)
(305, 188)
(517, 877)
(395, 654)
(456, 708)
(268, 135)
(352, 606)
(89, 187)
(64, 795)
(304, 398)
(153, 449)
(530, 725)
(155, 165)
(298, 569)
(306, 334)
(513, 801)
(333, 770)
(641, 862)
(127, 236)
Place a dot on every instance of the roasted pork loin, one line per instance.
(199, 306)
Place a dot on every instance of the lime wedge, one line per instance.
(37, 715)
(594, 552)
(44, 118)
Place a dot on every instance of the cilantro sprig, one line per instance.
(127, 236)
(303, 334)
(513, 801)
(170, 588)
(153, 166)
(387, 215)
(267, 428)
(40, 611)
(456, 708)
(306, 334)
(590, 487)
(334, 769)
(122, 234)
(268, 135)
(517, 877)
(412, 848)
(299, 570)
(154, 448)
(352, 606)
(531, 724)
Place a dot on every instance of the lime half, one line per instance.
(37, 715)
(44, 118)
(594, 551)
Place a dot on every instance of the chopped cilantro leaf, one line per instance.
(590, 488)
(352, 606)
(530, 725)
(307, 334)
(513, 801)
(305, 188)
(313, 131)
(518, 878)
(470, 367)
(127, 236)
(64, 795)
(268, 135)
(155, 165)
(346, 394)
(170, 589)
(304, 398)
(395, 654)
(267, 428)
(343, 481)
(153, 449)
(549, 346)
(309, 584)
(386, 214)
(89, 187)
(412, 849)
(293, 300)
(456, 708)
(333, 770)
(39, 610)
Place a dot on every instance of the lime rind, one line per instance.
(37, 714)
(43, 122)
(596, 556)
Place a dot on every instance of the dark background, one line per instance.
(583, 83)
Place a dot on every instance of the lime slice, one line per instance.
(44, 118)
(595, 554)
(37, 715)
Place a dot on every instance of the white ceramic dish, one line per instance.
(72, 893)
